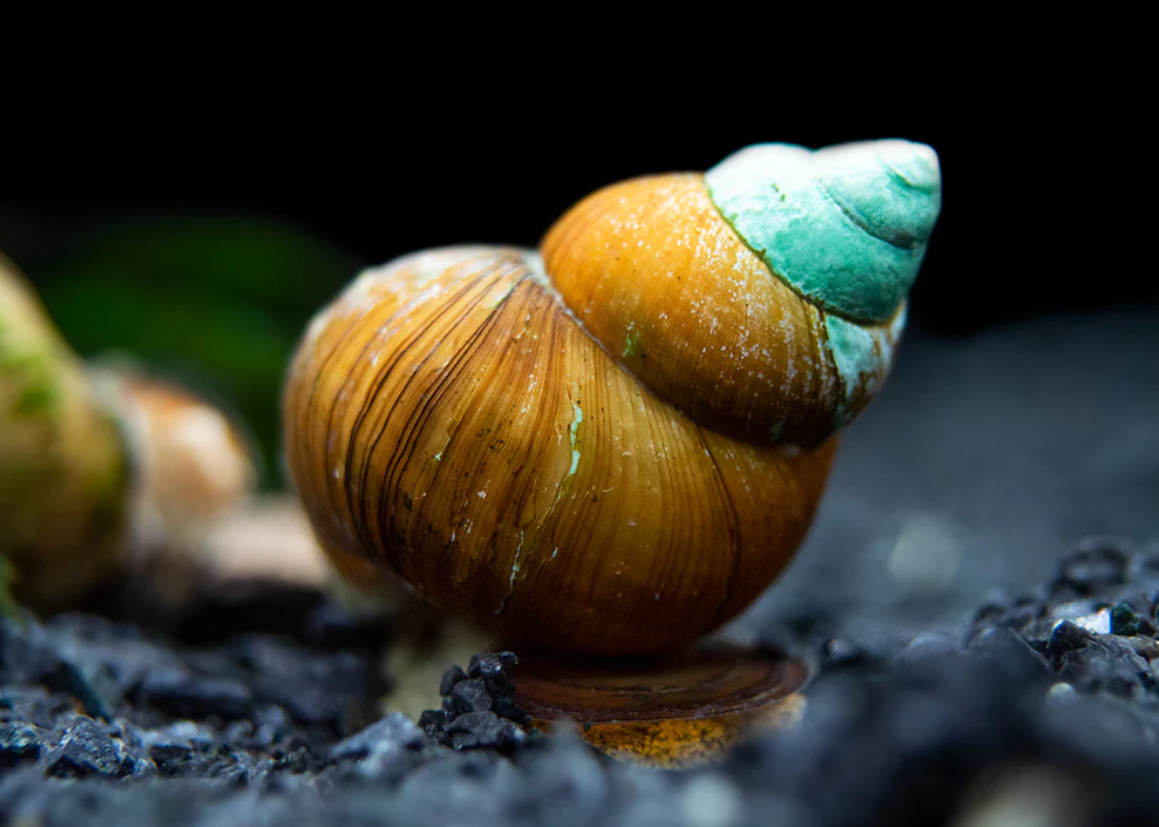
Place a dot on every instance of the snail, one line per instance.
(106, 473)
(63, 466)
(612, 445)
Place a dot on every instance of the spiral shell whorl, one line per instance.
(674, 275)
(448, 420)
(661, 280)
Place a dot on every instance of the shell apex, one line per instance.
(845, 226)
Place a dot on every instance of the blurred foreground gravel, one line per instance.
(1048, 709)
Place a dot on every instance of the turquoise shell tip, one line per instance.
(845, 226)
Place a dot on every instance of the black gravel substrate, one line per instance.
(1047, 712)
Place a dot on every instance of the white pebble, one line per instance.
(710, 801)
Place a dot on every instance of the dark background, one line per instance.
(1037, 212)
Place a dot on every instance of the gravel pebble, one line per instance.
(84, 747)
(184, 695)
(391, 733)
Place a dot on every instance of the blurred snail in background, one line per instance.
(194, 468)
(612, 446)
(104, 472)
(63, 468)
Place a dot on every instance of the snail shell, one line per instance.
(612, 446)
(105, 474)
(64, 468)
